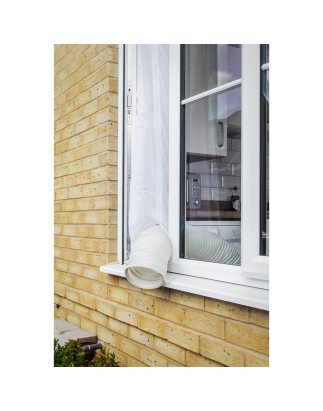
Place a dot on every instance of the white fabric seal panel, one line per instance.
(148, 207)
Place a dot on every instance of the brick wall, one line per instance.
(160, 327)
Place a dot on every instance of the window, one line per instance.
(218, 159)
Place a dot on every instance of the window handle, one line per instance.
(220, 134)
(186, 190)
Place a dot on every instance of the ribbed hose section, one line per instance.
(206, 245)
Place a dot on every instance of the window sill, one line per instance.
(234, 293)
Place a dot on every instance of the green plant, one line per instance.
(71, 355)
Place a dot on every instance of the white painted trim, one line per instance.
(253, 265)
(215, 90)
(120, 154)
(234, 293)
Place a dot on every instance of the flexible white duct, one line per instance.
(206, 245)
(150, 253)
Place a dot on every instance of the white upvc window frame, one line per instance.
(247, 284)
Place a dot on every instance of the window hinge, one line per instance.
(129, 103)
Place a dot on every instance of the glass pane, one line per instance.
(211, 218)
(264, 158)
(210, 65)
(264, 53)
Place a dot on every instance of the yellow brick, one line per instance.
(75, 218)
(91, 272)
(91, 217)
(83, 204)
(57, 139)
(141, 302)
(68, 254)
(83, 72)
(107, 336)
(152, 325)
(61, 242)
(99, 231)
(61, 147)
(141, 337)
(73, 319)
(195, 360)
(60, 312)
(83, 284)
(259, 317)
(191, 300)
(253, 360)
(126, 315)
(91, 135)
(67, 279)
(75, 91)
(109, 158)
(229, 310)
(161, 292)
(62, 64)
(109, 279)
(75, 65)
(73, 295)
(68, 108)
(67, 304)
(75, 167)
(91, 190)
(62, 218)
(118, 326)
(57, 276)
(59, 125)
(83, 231)
(57, 115)
(58, 160)
(83, 257)
(105, 307)
(131, 362)
(109, 217)
(82, 99)
(57, 299)
(249, 337)
(68, 132)
(206, 323)
(60, 77)
(222, 352)
(75, 117)
(61, 266)
(99, 203)
(109, 70)
(91, 108)
(81, 48)
(170, 350)
(59, 289)
(108, 114)
(88, 326)
(91, 80)
(104, 57)
(57, 91)
(124, 283)
(68, 181)
(82, 152)
(68, 230)
(69, 205)
(62, 52)
(112, 203)
(75, 142)
(110, 129)
(83, 178)
(61, 171)
(58, 229)
(76, 269)
(108, 100)
(58, 252)
(104, 173)
(99, 289)
(128, 347)
(121, 358)
(170, 311)
(183, 337)
(83, 125)
(152, 359)
(57, 207)
(76, 243)
(109, 187)
(75, 192)
(172, 363)
(87, 300)
(98, 318)
(81, 310)
(90, 53)
(68, 83)
(118, 295)
(61, 194)
(61, 100)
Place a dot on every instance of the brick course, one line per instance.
(142, 327)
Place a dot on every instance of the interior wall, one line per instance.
(160, 327)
